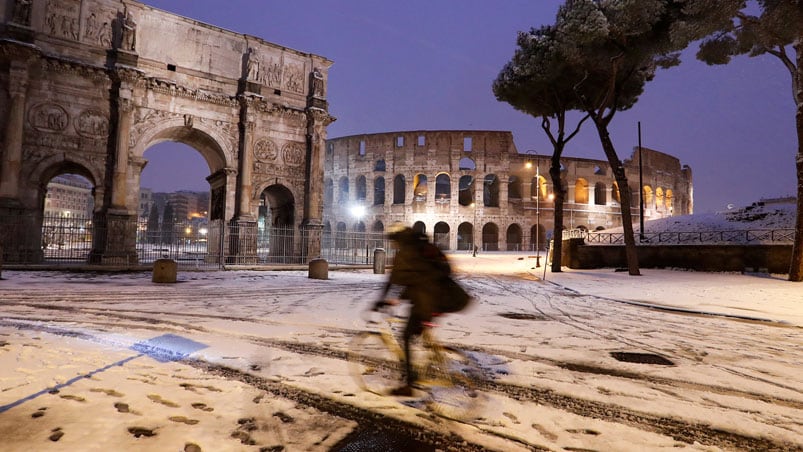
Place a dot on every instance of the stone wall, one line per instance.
(726, 258)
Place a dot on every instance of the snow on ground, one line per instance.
(76, 374)
(759, 216)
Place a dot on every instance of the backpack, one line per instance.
(452, 297)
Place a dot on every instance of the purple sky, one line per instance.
(429, 64)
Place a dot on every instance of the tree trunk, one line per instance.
(560, 197)
(796, 265)
(624, 196)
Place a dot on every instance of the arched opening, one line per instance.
(359, 236)
(378, 234)
(670, 201)
(600, 194)
(443, 189)
(581, 191)
(490, 192)
(513, 238)
(648, 196)
(343, 190)
(617, 196)
(399, 187)
(538, 187)
(175, 202)
(420, 193)
(659, 198)
(537, 237)
(465, 236)
(490, 237)
(379, 191)
(420, 189)
(276, 225)
(340, 236)
(67, 216)
(465, 194)
(360, 189)
(420, 227)
(514, 188)
(328, 192)
(466, 164)
(441, 235)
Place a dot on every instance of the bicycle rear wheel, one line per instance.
(451, 378)
(372, 364)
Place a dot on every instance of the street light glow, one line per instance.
(358, 211)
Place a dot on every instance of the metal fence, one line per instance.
(747, 236)
(193, 244)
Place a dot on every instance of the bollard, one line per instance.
(318, 269)
(379, 261)
(164, 271)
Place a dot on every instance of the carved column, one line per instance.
(12, 144)
(120, 175)
(242, 244)
(115, 235)
(317, 120)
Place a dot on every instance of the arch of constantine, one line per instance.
(87, 86)
(451, 183)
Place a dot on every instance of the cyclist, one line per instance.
(421, 279)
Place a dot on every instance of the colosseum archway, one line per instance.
(101, 93)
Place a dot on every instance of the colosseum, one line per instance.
(450, 183)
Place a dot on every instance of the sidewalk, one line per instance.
(752, 296)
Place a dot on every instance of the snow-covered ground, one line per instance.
(772, 215)
(76, 372)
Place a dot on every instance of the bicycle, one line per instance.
(447, 375)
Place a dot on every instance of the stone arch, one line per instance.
(279, 222)
(466, 164)
(465, 194)
(538, 237)
(581, 191)
(513, 238)
(600, 194)
(210, 143)
(465, 236)
(648, 196)
(490, 237)
(660, 201)
(514, 187)
(670, 201)
(420, 227)
(328, 191)
(379, 191)
(441, 235)
(54, 165)
(443, 188)
(343, 190)
(399, 187)
(360, 190)
(538, 187)
(490, 191)
(420, 187)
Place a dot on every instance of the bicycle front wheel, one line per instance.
(452, 377)
(372, 364)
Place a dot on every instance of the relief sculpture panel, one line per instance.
(61, 19)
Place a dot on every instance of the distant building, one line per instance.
(145, 202)
(469, 188)
(69, 195)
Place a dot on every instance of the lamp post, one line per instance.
(537, 213)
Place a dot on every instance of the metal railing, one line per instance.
(193, 244)
(746, 236)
